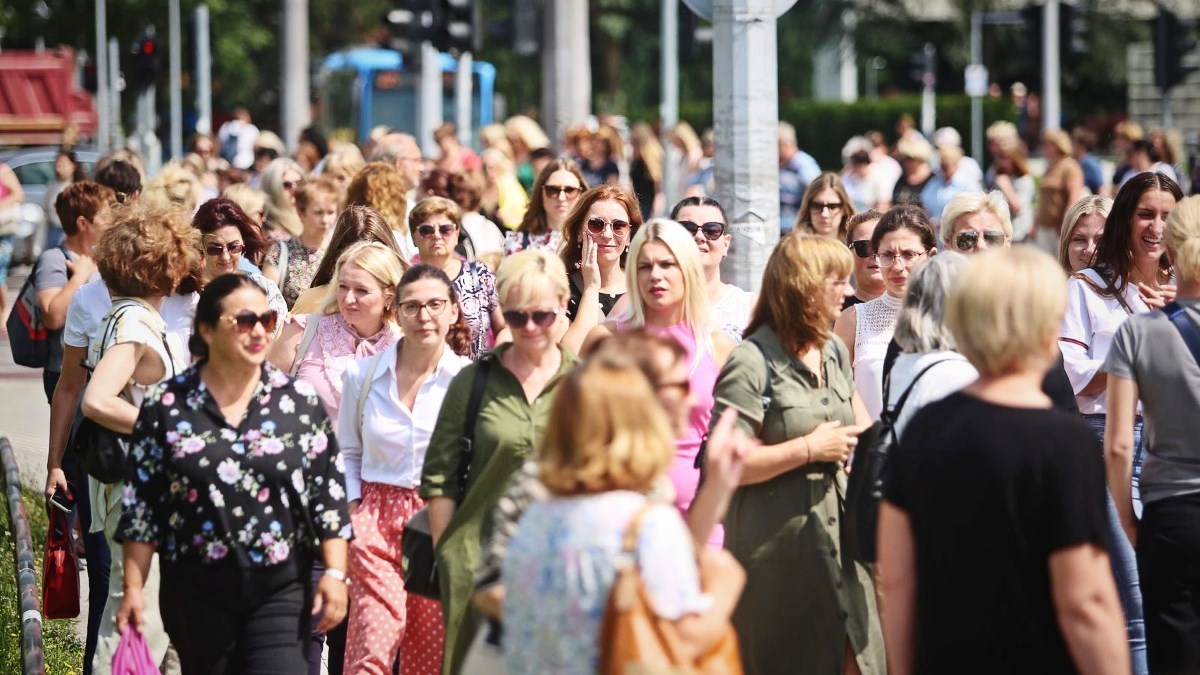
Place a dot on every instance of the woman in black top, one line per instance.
(233, 478)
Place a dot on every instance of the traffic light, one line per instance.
(91, 82)
(1172, 42)
(455, 25)
(526, 27)
(409, 25)
(144, 67)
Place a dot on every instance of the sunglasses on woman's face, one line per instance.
(861, 248)
(967, 240)
(244, 320)
(597, 225)
(712, 230)
(553, 191)
(542, 318)
(234, 247)
(429, 230)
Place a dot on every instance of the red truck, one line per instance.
(41, 102)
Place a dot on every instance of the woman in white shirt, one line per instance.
(391, 402)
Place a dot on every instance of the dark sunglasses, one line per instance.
(429, 230)
(553, 191)
(712, 230)
(245, 320)
(542, 318)
(861, 248)
(215, 249)
(817, 207)
(967, 240)
(596, 226)
(289, 185)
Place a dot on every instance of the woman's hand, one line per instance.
(588, 265)
(832, 441)
(132, 611)
(353, 505)
(329, 602)
(1156, 298)
(56, 480)
(720, 572)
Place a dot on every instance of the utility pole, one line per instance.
(430, 107)
(463, 93)
(175, 78)
(977, 97)
(203, 72)
(103, 106)
(295, 112)
(1051, 83)
(669, 108)
(566, 70)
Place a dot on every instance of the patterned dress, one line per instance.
(477, 297)
(302, 264)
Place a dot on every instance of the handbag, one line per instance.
(417, 552)
(133, 655)
(635, 640)
(60, 570)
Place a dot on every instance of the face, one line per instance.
(1085, 237)
(556, 200)
(229, 342)
(436, 237)
(224, 260)
(985, 226)
(433, 312)
(826, 211)
(660, 279)
(291, 178)
(866, 269)
(611, 243)
(64, 167)
(204, 148)
(675, 394)
(836, 291)
(1149, 224)
(361, 298)
(898, 245)
(532, 338)
(712, 251)
(320, 215)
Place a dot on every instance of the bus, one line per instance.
(362, 88)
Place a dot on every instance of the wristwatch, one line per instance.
(335, 573)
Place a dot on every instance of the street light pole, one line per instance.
(669, 110)
(1051, 82)
(294, 111)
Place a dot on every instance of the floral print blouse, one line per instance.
(204, 491)
(302, 264)
(476, 287)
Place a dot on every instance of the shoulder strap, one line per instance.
(1187, 329)
(368, 376)
(310, 332)
(629, 543)
(467, 440)
(766, 394)
(894, 410)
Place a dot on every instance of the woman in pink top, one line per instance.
(671, 299)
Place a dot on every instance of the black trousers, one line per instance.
(1168, 555)
(225, 620)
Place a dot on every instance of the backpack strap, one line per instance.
(467, 440)
(365, 389)
(310, 332)
(766, 394)
(1187, 329)
(893, 411)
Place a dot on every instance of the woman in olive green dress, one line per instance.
(513, 412)
(807, 608)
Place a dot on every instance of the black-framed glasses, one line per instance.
(861, 248)
(967, 240)
(619, 227)
(215, 249)
(444, 229)
(712, 230)
(543, 318)
(553, 191)
(818, 207)
(435, 307)
(906, 257)
(244, 320)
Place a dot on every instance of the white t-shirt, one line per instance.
(941, 381)
(1087, 333)
(485, 236)
(92, 302)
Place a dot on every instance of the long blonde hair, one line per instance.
(380, 262)
(696, 312)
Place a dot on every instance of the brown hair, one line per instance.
(380, 186)
(1114, 254)
(311, 189)
(84, 198)
(826, 181)
(792, 284)
(222, 212)
(466, 188)
(534, 221)
(434, 206)
(458, 338)
(354, 224)
(572, 227)
(148, 251)
(858, 219)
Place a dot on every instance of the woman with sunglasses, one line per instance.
(596, 236)
(227, 236)
(902, 240)
(384, 437)
(825, 208)
(705, 220)
(436, 223)
(555, 191)
(234, 479)
(514, 407)
(867, 278)
(976, 221)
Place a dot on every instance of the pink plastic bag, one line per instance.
(133, 656)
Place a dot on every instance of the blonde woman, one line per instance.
(503, 195)
(976, 221)
(1082, 228)
(174, 186)
(646, 169)
(251, 200)
(1061, 186)
(342, 164)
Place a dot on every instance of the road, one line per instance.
(24, 413)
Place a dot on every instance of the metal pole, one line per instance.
(114, 92)
(566, 78)
(175, 78)
(463, 93)
(294, 112)
(928, 92)
(203, 72)
(1051, 84)
(669, 108)
(977, 101)
(431, 99)
(103, 109)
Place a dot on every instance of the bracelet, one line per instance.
(807, 450)
(335, 573)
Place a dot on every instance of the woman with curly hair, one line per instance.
(380, 186)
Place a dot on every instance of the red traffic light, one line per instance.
(148, 47)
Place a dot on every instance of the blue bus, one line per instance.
(362, 88)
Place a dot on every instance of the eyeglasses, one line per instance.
(712, 230)
(289, 185)
(553, 191)
(541, 317)
(596, 226)
(861, 248)
(818, 207)
(435, 308)
(244, 320)
(967, 240)
(429, 230)
(906, 257)
(234, 247)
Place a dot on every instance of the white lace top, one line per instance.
(875, 323)
(731, 313)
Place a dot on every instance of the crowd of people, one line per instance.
(536, 355)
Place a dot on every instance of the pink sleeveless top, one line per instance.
(334, 346)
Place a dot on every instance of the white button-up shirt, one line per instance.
(389, 445)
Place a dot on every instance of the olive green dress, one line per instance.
(505, 432)
(803, 598)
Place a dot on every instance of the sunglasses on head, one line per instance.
(967, 240)
(429, 230)
(543, 318)
(596, 226)
(553, 191)
(712, 230)
(861, 248)
(215, 249)
(244, 320)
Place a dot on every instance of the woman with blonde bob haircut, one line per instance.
(563, 560)
(1024, 508)
(976, 221)
(1082, 228)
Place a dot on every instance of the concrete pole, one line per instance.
(977, 101)
(175, 78)
(745, 119)
(114, 92)
(1051, 83)
(463, 88)
(848, 66)
(294, 112)
(669, 107)
(430, 106)
(929, 92)
(103, 106)
(566, 67)
(203, 72)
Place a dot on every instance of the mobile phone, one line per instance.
(61, 501)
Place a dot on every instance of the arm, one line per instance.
(723, 579)
(16, 193)
(330, 598)
(722, 347)
(499, 326)
(349, 434)
(897, 574)
(441, 510)
(283, 353)
(1089, 612)
(62, 414)
(137, 568)
(54, 302)
(596, 334)
(102, 400)
(1118, 449)
(844, 328)
(1075, 186)
(270, 263)
(1075, 339)
(587, 313)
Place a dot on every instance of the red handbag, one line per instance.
(60, 570)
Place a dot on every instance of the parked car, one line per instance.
(34, 168)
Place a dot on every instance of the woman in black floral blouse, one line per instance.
(234, 477)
